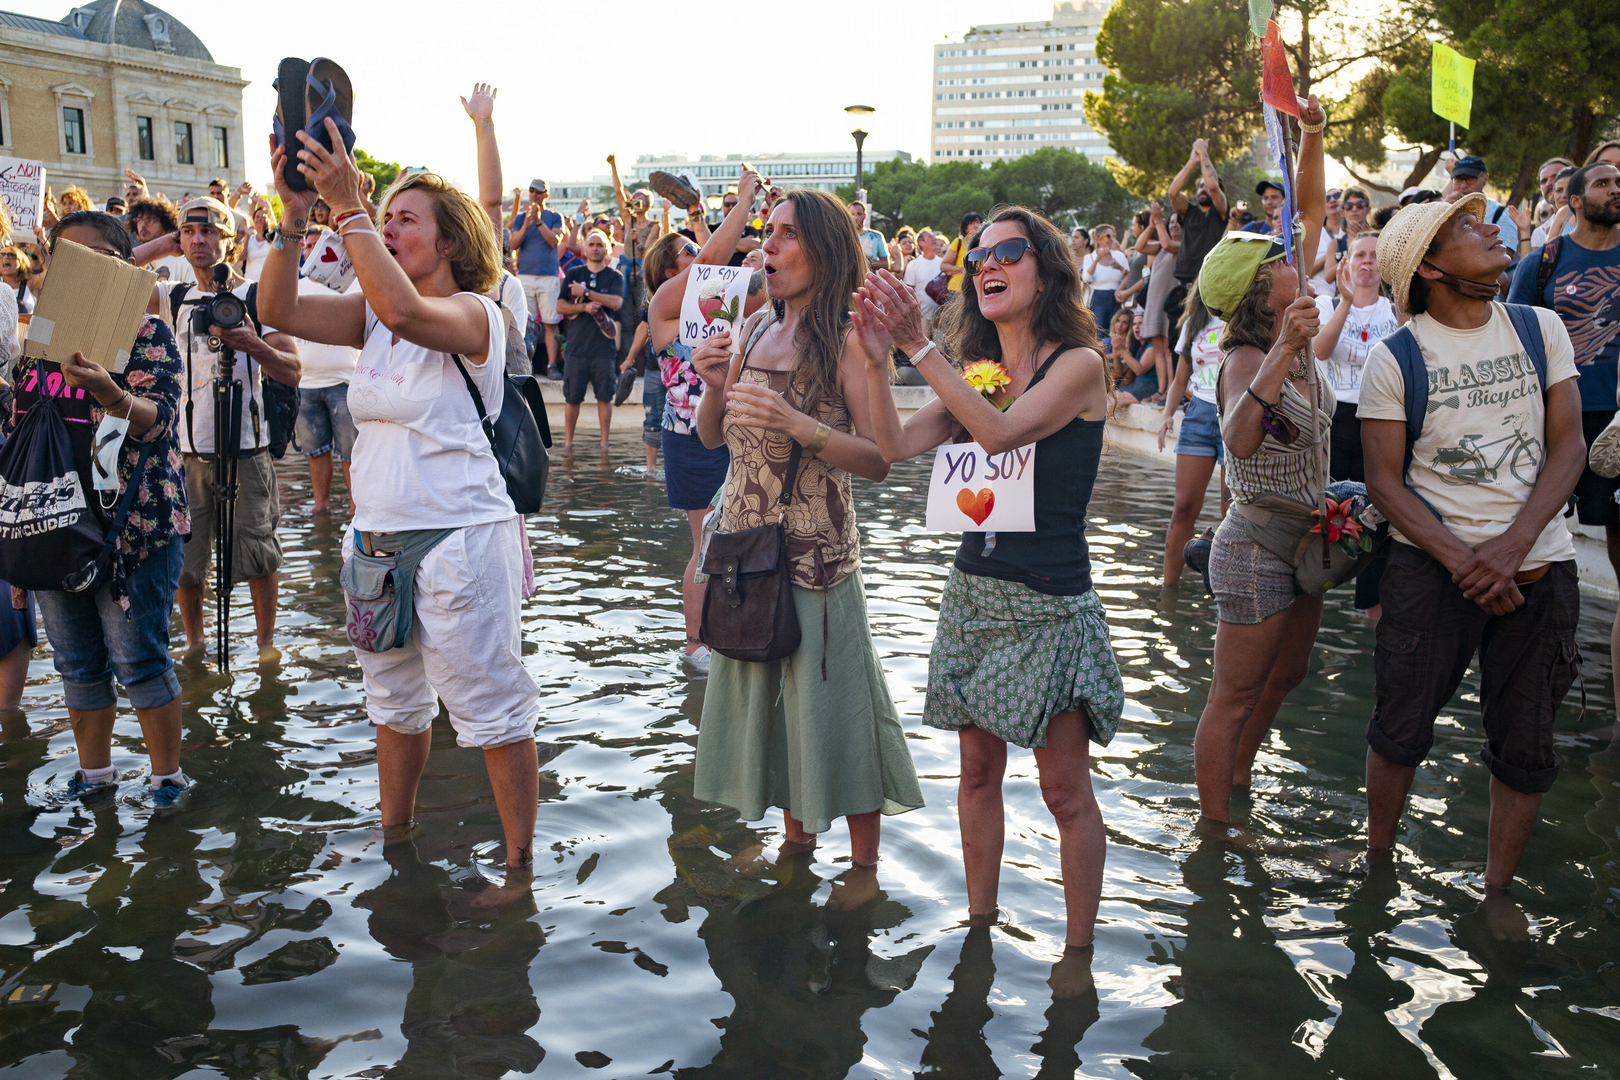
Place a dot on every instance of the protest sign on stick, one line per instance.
(1451, 88)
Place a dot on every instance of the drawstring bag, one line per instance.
(51, 538)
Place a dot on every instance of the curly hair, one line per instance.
(1060, 313)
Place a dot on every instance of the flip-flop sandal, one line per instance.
(676, 189)
(627, 382)
(1196, 555)
(328, 93)
(289, 87)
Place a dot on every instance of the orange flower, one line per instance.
(1340, 520)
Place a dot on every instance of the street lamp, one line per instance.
(859, 111)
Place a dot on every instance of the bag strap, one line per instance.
(1528, 326)
(1547, 265)
(1403, 345)
(477, 400)
(792, 475)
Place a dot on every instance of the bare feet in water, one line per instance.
(857, 887)
(1071, 975)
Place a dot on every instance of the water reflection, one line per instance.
(268, 930)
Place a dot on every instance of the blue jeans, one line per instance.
(1103, 306)
(92, 640)
(324, 424)
(652, 396)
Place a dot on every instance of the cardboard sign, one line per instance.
(971, 491)
(1452, 84)
(713, 303)
(91, 304)
(329, 263)
(22, 186)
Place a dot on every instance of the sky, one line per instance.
(625, 76)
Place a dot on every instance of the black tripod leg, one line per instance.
(227, 443)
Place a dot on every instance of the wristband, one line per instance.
(922, 352)
(356, 232)
(818, 441)
(1313, 129)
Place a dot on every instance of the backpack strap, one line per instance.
(1528, 326)
(1546, 266)
(1403, 345)
(1500, 210)
(477, 400)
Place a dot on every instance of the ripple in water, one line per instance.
(267, 932)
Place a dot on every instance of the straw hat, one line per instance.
(1406, 239)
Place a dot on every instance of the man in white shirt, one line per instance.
(325, 428)
(207, 228)
(1482, 560)
(923, 269)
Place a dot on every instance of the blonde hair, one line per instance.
(74, 198)
(474, 253)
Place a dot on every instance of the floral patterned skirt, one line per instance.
(1007, 659)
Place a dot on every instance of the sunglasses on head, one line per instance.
(1007, 252)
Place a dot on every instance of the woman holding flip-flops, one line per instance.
(1022, 654)
(426, 482)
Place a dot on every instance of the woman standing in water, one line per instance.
(1022, 654)
(816, 733)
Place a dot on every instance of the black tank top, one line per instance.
(1054, 558)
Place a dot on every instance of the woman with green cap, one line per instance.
(1277, 443)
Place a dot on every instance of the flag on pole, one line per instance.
(1452, 86)
(1276, 81)
(1277, 144)
(1259, 15)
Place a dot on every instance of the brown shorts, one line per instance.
(258, 511)
(1427, 637)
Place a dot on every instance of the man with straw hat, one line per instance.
(1471, 429)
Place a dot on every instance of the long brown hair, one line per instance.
(1060, 314)
(661, 260)
(838, 268)
(1253, 321)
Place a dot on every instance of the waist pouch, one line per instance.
(1283, 527)
(379, 591)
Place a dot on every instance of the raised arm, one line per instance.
(330, 319)
(619, 194)
(481, 110)
(664, 311)
(1310, 187)
(1178, 197)
(452, 324)
(1212, 179)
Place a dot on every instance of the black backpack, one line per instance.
(280, 400)
(520, 436)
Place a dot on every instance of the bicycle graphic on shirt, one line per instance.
(1469, 462)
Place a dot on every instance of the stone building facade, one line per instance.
(115, 85)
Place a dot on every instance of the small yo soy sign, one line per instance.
(973, 491)
(713, 303)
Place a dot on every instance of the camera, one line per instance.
(221, 308)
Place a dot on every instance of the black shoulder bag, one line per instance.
(519, 436)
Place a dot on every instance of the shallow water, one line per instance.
(264, 931)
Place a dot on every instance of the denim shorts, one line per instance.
(324, 425)
(1200, 434)
(92, 640)
(653, 395)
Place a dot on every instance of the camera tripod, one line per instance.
(227, 451)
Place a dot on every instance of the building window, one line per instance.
(222, 149)
(143, 138)
(73, 130)
(182, 143)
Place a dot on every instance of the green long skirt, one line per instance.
(779, 734)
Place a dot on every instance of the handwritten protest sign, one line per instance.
(1452, 86)
(713, 302)
(972, 491)
(22, 186)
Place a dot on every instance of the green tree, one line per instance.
(1058, 182)
(383, 172)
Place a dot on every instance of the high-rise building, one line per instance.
(1008, 89)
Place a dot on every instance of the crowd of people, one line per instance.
(1376, 372)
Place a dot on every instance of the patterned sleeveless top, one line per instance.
(822, 543)
(1281, 469)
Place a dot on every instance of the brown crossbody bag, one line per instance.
(748, 611)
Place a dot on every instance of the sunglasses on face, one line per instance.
(1007, 252)
(689, 249)
(1356, 204)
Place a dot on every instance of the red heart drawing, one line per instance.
(329, 255)
(708, 306)
(978, 506)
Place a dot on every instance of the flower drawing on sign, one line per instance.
(711, 302)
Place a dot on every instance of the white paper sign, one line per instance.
(329, 263)
(22, 186)
(714, 301)
(971, 491)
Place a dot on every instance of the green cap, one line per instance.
(1230, 266)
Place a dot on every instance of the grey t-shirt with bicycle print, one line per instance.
(1484, 439)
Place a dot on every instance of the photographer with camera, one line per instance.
(216, 324)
